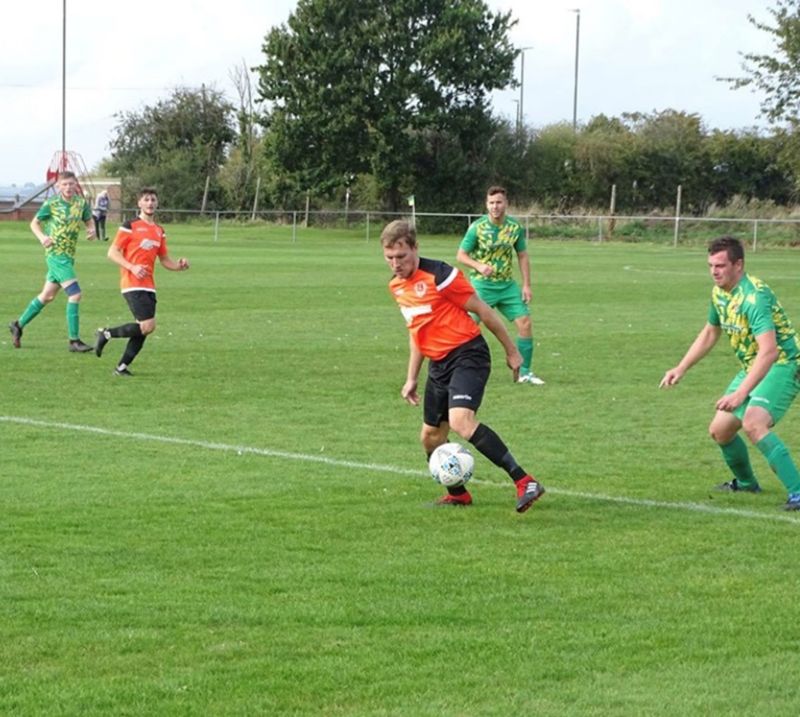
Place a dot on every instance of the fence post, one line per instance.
(294, 226)
(612, 211)
(367, 239)
(677, 216)
(216, 226)
(755, 233)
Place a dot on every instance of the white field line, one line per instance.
(381, 468)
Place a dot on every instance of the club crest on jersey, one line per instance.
(420, 288)
(148, 244)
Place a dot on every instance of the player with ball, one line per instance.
(435, 300)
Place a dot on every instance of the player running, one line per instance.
(135, 249)
(57, 226)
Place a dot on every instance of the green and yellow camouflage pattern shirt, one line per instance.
(748, 310)
(494, 245)
(63, 221)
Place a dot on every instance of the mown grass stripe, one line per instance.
(395, 470)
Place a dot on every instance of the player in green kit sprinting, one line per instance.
(57, 226)
(768, 349)
(488, 250)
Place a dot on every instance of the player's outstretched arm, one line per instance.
(704, 342)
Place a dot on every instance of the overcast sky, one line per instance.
(635, 55)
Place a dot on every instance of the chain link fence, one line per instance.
(675, 230)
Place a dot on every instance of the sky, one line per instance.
(634, 56)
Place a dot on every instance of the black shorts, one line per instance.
(142, 304)
(457, 381)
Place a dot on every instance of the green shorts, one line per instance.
(504, 296)
(774, 393)
(60, 268)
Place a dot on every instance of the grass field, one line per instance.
(245, 528)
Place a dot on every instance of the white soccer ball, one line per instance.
(451, 465)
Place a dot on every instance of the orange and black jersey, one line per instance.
(140, 243)
(432, 302)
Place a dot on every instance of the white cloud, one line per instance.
(634, 55)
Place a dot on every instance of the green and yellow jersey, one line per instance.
(63, 221)
(748, 310)
(494, 245)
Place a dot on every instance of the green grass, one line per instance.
(243, 528)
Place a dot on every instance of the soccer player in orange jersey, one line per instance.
(435, 300)
(135, 249)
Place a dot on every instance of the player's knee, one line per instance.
(147, 327)
(431, 437)
(720, 434)
(73, 292)
(755, 428)
(524, 325)
(463, 425)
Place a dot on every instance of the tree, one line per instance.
(237, 175)
(777, 76)
(174, 145)
(604, 153)
(372, 86)
(747, 165)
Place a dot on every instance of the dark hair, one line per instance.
(66, 174)
(496, 190)
(147, 190)
(730, 245)
(397, 231)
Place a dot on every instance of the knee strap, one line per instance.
(72, 289)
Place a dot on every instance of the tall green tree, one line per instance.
(174, 145)
(747, 165)
(377, 86)
(776, 75)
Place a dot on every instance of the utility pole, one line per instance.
(521, 114)
(577, 12)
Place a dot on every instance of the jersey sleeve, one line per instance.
(123, 236)
(162, 250)
(44, 212)
(521, 244)
(758, 308)
(713, 316)
(457, 289)
(470, 238)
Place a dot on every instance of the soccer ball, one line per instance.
(451, 465)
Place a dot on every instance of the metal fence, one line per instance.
(667, 230)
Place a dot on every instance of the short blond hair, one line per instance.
(397, 231)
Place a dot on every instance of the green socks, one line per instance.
(777, 455)
(31, 312)
(738, 459)
(73, 321)
(525, 347)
